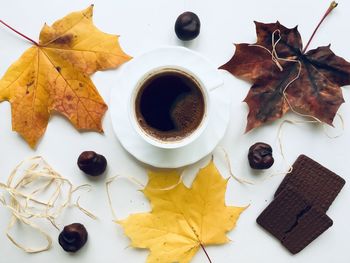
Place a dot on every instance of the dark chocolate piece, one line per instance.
(293, 221)
(280, 217)
(309, 226)
(318, 185)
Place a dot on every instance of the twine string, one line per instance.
(140, 185)
(27, 203)
(137, 183)
(230, 170)
(312, 119)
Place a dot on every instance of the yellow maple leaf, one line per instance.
(182, 219)
(53, 76)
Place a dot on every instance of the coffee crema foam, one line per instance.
(169, 105)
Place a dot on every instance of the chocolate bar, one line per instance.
(293, 221)
(318, 185)
(297, 215)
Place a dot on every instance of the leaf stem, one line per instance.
(19, 33)
(329, 10)
(202, 246)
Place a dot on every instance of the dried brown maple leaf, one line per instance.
(53, 75)
(286, 77)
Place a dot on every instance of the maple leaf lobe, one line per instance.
(289, 36)
(308, 84)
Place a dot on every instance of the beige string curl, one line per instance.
(35, 192)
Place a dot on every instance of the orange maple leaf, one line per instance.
(53, 76)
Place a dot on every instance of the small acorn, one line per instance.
(92, 163)
(260, 156)
(73, 237)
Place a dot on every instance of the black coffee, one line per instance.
(170, 105)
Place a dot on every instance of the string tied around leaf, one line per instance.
(311, 119)
(276, 59)
(35, 192)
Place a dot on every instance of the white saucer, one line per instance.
(218, 116)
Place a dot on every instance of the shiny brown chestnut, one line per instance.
(73, 237)
(187, 26)
(92, 163)
(260, 156)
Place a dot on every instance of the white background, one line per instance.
(145, 25)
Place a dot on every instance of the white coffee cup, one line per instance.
(181, 59)
(216, 119)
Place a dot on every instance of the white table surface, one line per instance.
(145, 25)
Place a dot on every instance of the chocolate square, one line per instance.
(318, 185)
(281, 215)
(309, 226)
(293, 221)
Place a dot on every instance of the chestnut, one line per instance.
(92, 163)
(260, 156)
(73, 237)
(187, 26)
